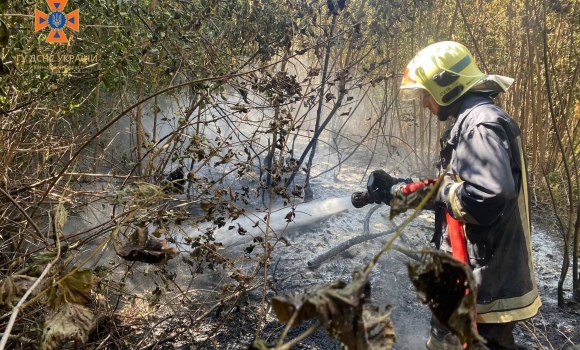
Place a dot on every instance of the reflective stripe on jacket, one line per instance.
(492, 200)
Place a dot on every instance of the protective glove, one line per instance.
(408, 195)
(379, 186)
(360, 199)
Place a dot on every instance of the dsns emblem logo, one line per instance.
(56, 20)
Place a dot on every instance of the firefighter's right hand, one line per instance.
(360, 199)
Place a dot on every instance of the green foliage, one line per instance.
(43, 258)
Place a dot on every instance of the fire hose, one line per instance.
(405, 193)
(380, 182)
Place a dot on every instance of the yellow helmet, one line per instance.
(446, 69)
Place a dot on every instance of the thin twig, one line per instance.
(301, 337)
(20, 338)
(16, 309)
(287, 328)
(75, 269)
(25, 214)
(102, 344)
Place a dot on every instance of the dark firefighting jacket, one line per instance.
(490, 196)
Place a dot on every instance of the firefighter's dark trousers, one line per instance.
(499, 336)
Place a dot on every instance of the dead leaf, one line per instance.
(313, 72)
(220, 222)
(139, 236)
(290, 216)
(242, 278)
(72, 322)
(151, 251)
(379, 329)
(207, 206)
(13, 288)
(249, 249)
(75, 288)
(60, 217)
(162, 229)
(340, 308)
(448, 287)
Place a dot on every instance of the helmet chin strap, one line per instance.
(442, 118)
(450, 111)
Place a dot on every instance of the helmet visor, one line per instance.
(410, 94)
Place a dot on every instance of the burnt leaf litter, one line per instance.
(343, 310)
(447, 286)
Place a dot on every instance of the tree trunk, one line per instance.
(308, 194)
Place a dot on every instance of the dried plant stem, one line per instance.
(25, 214)
(114, 120)
(16, 309)
(301, 337)
(101, 246)
(287, 329)
(265, 261)
(534, 335)
(20, 339)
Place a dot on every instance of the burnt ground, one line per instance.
(233, 324)
(552, 328)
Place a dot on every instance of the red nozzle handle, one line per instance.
(418, 185)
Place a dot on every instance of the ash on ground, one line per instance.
(235, 328)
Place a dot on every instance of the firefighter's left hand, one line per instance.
(409, 195)
(397, 190)
(404, 189)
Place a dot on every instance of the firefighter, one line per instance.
(484, 188)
